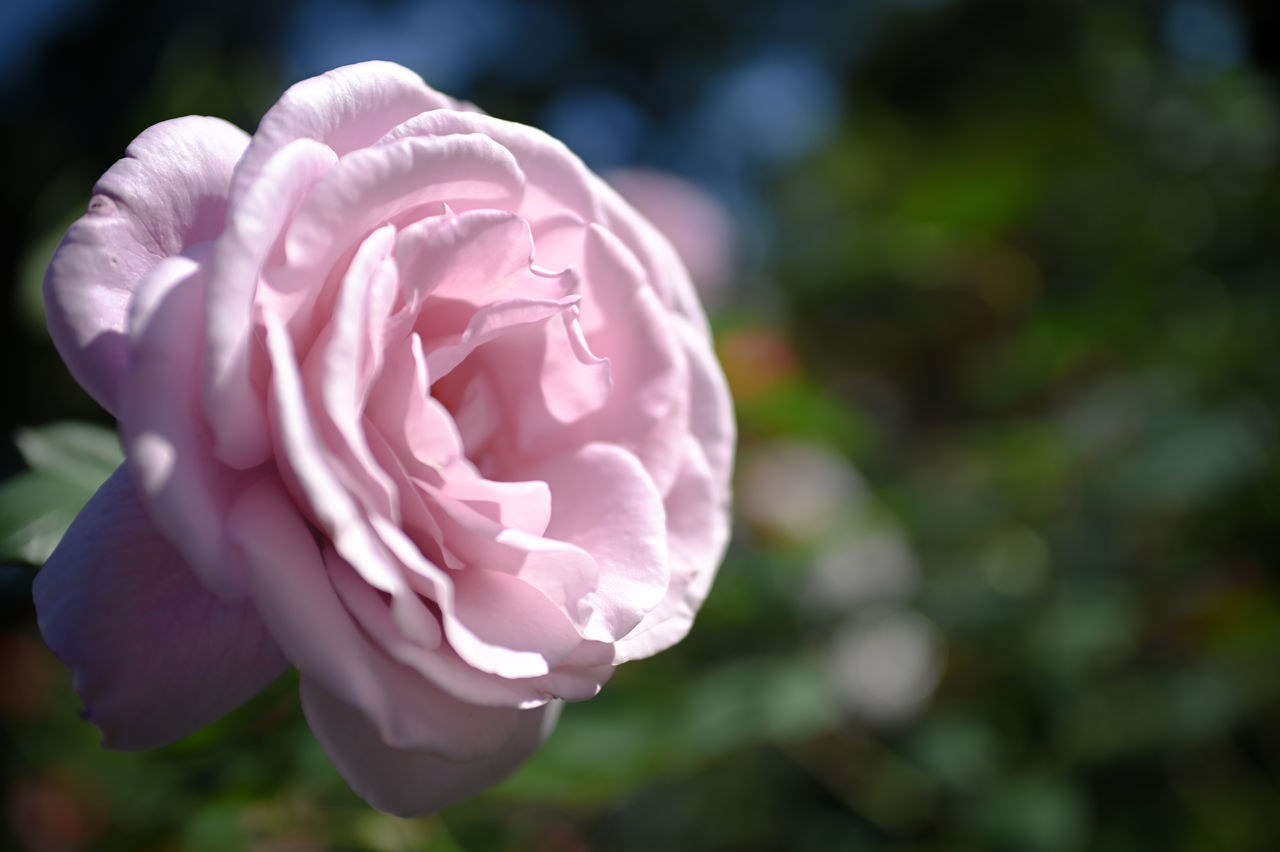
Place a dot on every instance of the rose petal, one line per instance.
(489, 323)
(401, 408)
(372, 185)
(664, 269)
(440, 664)
(293, 592)
(517, 395)
(625, 323)
(168, 193)
(342, 362)
(495, 622)
(156, 655)
(347, 109)
(414, 783)
(505, 614)
(523, 506)
(697, 533)
(563, 573)
(264, 207)
(162, 426)
(307, 462)
(475, 256)
(711, 407)
(604, 502)
(556, 178)
(351, 531)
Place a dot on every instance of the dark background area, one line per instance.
(1002, 334)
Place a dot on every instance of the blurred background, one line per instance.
(997, 289)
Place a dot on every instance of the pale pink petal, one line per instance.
(156, 655)
(495, 622)
(697, 533)
(697, 504)
(563, 573)
(293, 591)
(167, 194)
(579, 675)
(583, 674)
(324, 496)
(663, 268)
(526, 394)
(253, 229)
(411, 783)
(416, 523)
(625, 323)
(603, 501)
(476, 406)
(305, 460)
(711, 407)
(440, 664)
(373, 185)
(557, 179)
(504, 614)
(340, 365)
(368, 188)
(489, 323)
(523, 506)
(474, 256)
(162, 426)
(575, 381)
(401, 408)
(648, 410)
(346, 109)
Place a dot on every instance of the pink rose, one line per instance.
(412, 401)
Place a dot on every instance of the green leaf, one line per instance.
(80, 453)
(68, 462)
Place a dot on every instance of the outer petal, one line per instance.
(697, 504)
(665, 270)
(557, 178)
(347, 109)
(156, 655)
(167, 194)
(187, 490)
(414, 783)
(711, 408)
(697, 530)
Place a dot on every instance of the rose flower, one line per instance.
(410, 400)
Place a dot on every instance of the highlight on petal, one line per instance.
(255, 225)
(604, 502)
(347, 109)
(407, 782)
(556, 178)
(341, 364)
(187, 490)
(371, 185)
(156, 655)
(167, 194)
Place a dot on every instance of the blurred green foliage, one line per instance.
(1023, 301)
